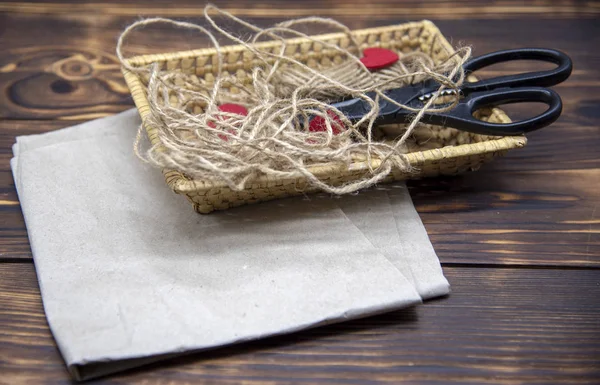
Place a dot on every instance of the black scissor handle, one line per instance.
(528, 79)
(462, 116)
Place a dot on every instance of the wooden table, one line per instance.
(519, 240)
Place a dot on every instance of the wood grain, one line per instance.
(374, 9)
(80, 78)
(546, 218)
(55, 82)
(505, 326)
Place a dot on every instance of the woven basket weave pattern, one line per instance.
(440, 151)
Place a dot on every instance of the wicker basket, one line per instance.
(444, 151)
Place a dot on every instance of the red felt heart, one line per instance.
(376, 58)
(317, 124)
(231, 108)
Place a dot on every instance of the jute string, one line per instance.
(281, 96)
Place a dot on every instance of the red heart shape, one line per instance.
(317, 124)
(376, 58)
(231, 108)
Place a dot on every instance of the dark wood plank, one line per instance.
(80, 77)
(54, 82)
(513, 218)
(504, 326)
(376, 9)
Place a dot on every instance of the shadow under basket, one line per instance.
(432, 150)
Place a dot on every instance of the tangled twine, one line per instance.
(273, 139)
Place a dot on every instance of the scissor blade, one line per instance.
(354, 109)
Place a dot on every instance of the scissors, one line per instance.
(522, 87)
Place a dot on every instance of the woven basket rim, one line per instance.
(140, 60)
(181, 184)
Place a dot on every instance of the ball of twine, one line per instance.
(283, 94)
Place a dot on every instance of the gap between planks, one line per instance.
(474, 265)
